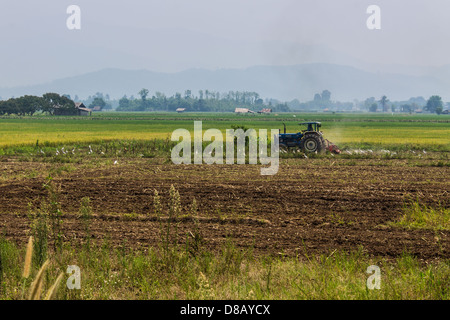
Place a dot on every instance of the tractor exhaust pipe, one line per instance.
(284, 127)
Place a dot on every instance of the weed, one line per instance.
(54, 213)
(157, 206)
(175, 204)
(39, 232)
(86, 216)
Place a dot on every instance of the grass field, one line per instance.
(370, 131)
(232, 274)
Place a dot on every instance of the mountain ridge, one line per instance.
(283, 82)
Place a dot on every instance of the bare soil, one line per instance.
(311, 206)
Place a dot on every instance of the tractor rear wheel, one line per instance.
(312, 143)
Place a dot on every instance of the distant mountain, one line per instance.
(280, 82)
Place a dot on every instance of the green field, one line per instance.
(429, 132)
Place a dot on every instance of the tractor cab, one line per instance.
(311, 126)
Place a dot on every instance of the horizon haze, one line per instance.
(176, 36)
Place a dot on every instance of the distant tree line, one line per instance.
(433, 105)
(205, 101)
(321, 102)
(29, 105)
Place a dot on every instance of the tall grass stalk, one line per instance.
(28, 256)
(36, 285)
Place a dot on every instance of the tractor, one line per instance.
(308, 140)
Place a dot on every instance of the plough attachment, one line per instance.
(330, 146)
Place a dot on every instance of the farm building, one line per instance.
(243, 110)
(180, 110)
(80, 110)
(97, 108)
(265, 110)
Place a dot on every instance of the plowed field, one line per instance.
(310, 206)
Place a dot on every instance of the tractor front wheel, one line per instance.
(312, 143)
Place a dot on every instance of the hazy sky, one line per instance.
(173, 35)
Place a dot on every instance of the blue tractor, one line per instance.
(308, 140)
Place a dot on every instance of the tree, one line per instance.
(143, 93)
(53, 102)
(124, 104)
(200, 105)
(28, 105)
(98, 102)
(406, 108)
(418, 101)
(326, 95)
(368, 102)
(373, 107)
(25, 105)
(434, 104)
(9, 106)
(383, 101)
(282, 107)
